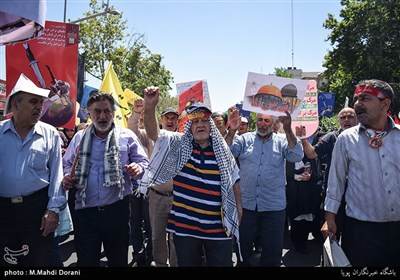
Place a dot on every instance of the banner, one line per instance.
(181, 87)
(326, 102)
(21, 20)
(50, 61)
(112, 86)
(272, 95)
(192, 95)
(308, 115)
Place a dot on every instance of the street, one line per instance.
(290, 258)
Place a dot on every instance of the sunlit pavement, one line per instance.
(290, 257)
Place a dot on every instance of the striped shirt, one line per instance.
(373, 192)
(196, 210)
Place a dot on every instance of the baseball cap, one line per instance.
(169, 110)
(25, 85)
(197, 106)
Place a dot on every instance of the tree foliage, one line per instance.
(329, 124)
(104, 38)
(365, 46)
(283, 72)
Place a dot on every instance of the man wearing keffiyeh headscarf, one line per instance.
(206, 207)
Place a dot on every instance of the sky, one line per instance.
(220, 41)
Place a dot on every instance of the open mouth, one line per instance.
(359, 111)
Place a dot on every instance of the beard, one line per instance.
(102, 128)
(264, 132)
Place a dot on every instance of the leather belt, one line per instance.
(108, 206)
(23, 198)
(160, 193)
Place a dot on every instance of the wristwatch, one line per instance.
(55, 210)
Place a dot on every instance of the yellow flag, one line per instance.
(131, 96)
(112, 86)
(77, 119)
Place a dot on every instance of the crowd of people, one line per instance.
(195, 198)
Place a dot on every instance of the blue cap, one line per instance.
(197, 106)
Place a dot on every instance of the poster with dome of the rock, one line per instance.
(272, 95)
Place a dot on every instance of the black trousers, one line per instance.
(189, 250)
(140, 237)
(21, 241)
(371, 244)
(107, 226)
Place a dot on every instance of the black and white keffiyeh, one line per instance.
(113, 175)
(171, 153)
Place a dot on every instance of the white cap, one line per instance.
(25, 85)
(244, 119)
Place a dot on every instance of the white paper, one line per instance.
(334, 255)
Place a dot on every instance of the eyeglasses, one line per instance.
(350, 117)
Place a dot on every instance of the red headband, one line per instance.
(370, 90)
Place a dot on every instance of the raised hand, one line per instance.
(138, 105)
(151, 96)
(300, 131)
(286, 121)
(233, 118)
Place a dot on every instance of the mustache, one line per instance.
(360, 110)
(264, 131)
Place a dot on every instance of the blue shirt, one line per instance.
(34, 163)
(96, 194)
(262, 169)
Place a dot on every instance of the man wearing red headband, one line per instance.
(367, 156)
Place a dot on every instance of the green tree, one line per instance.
(329, 124)
(283, 72)
(365, 46)
(103, 39)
